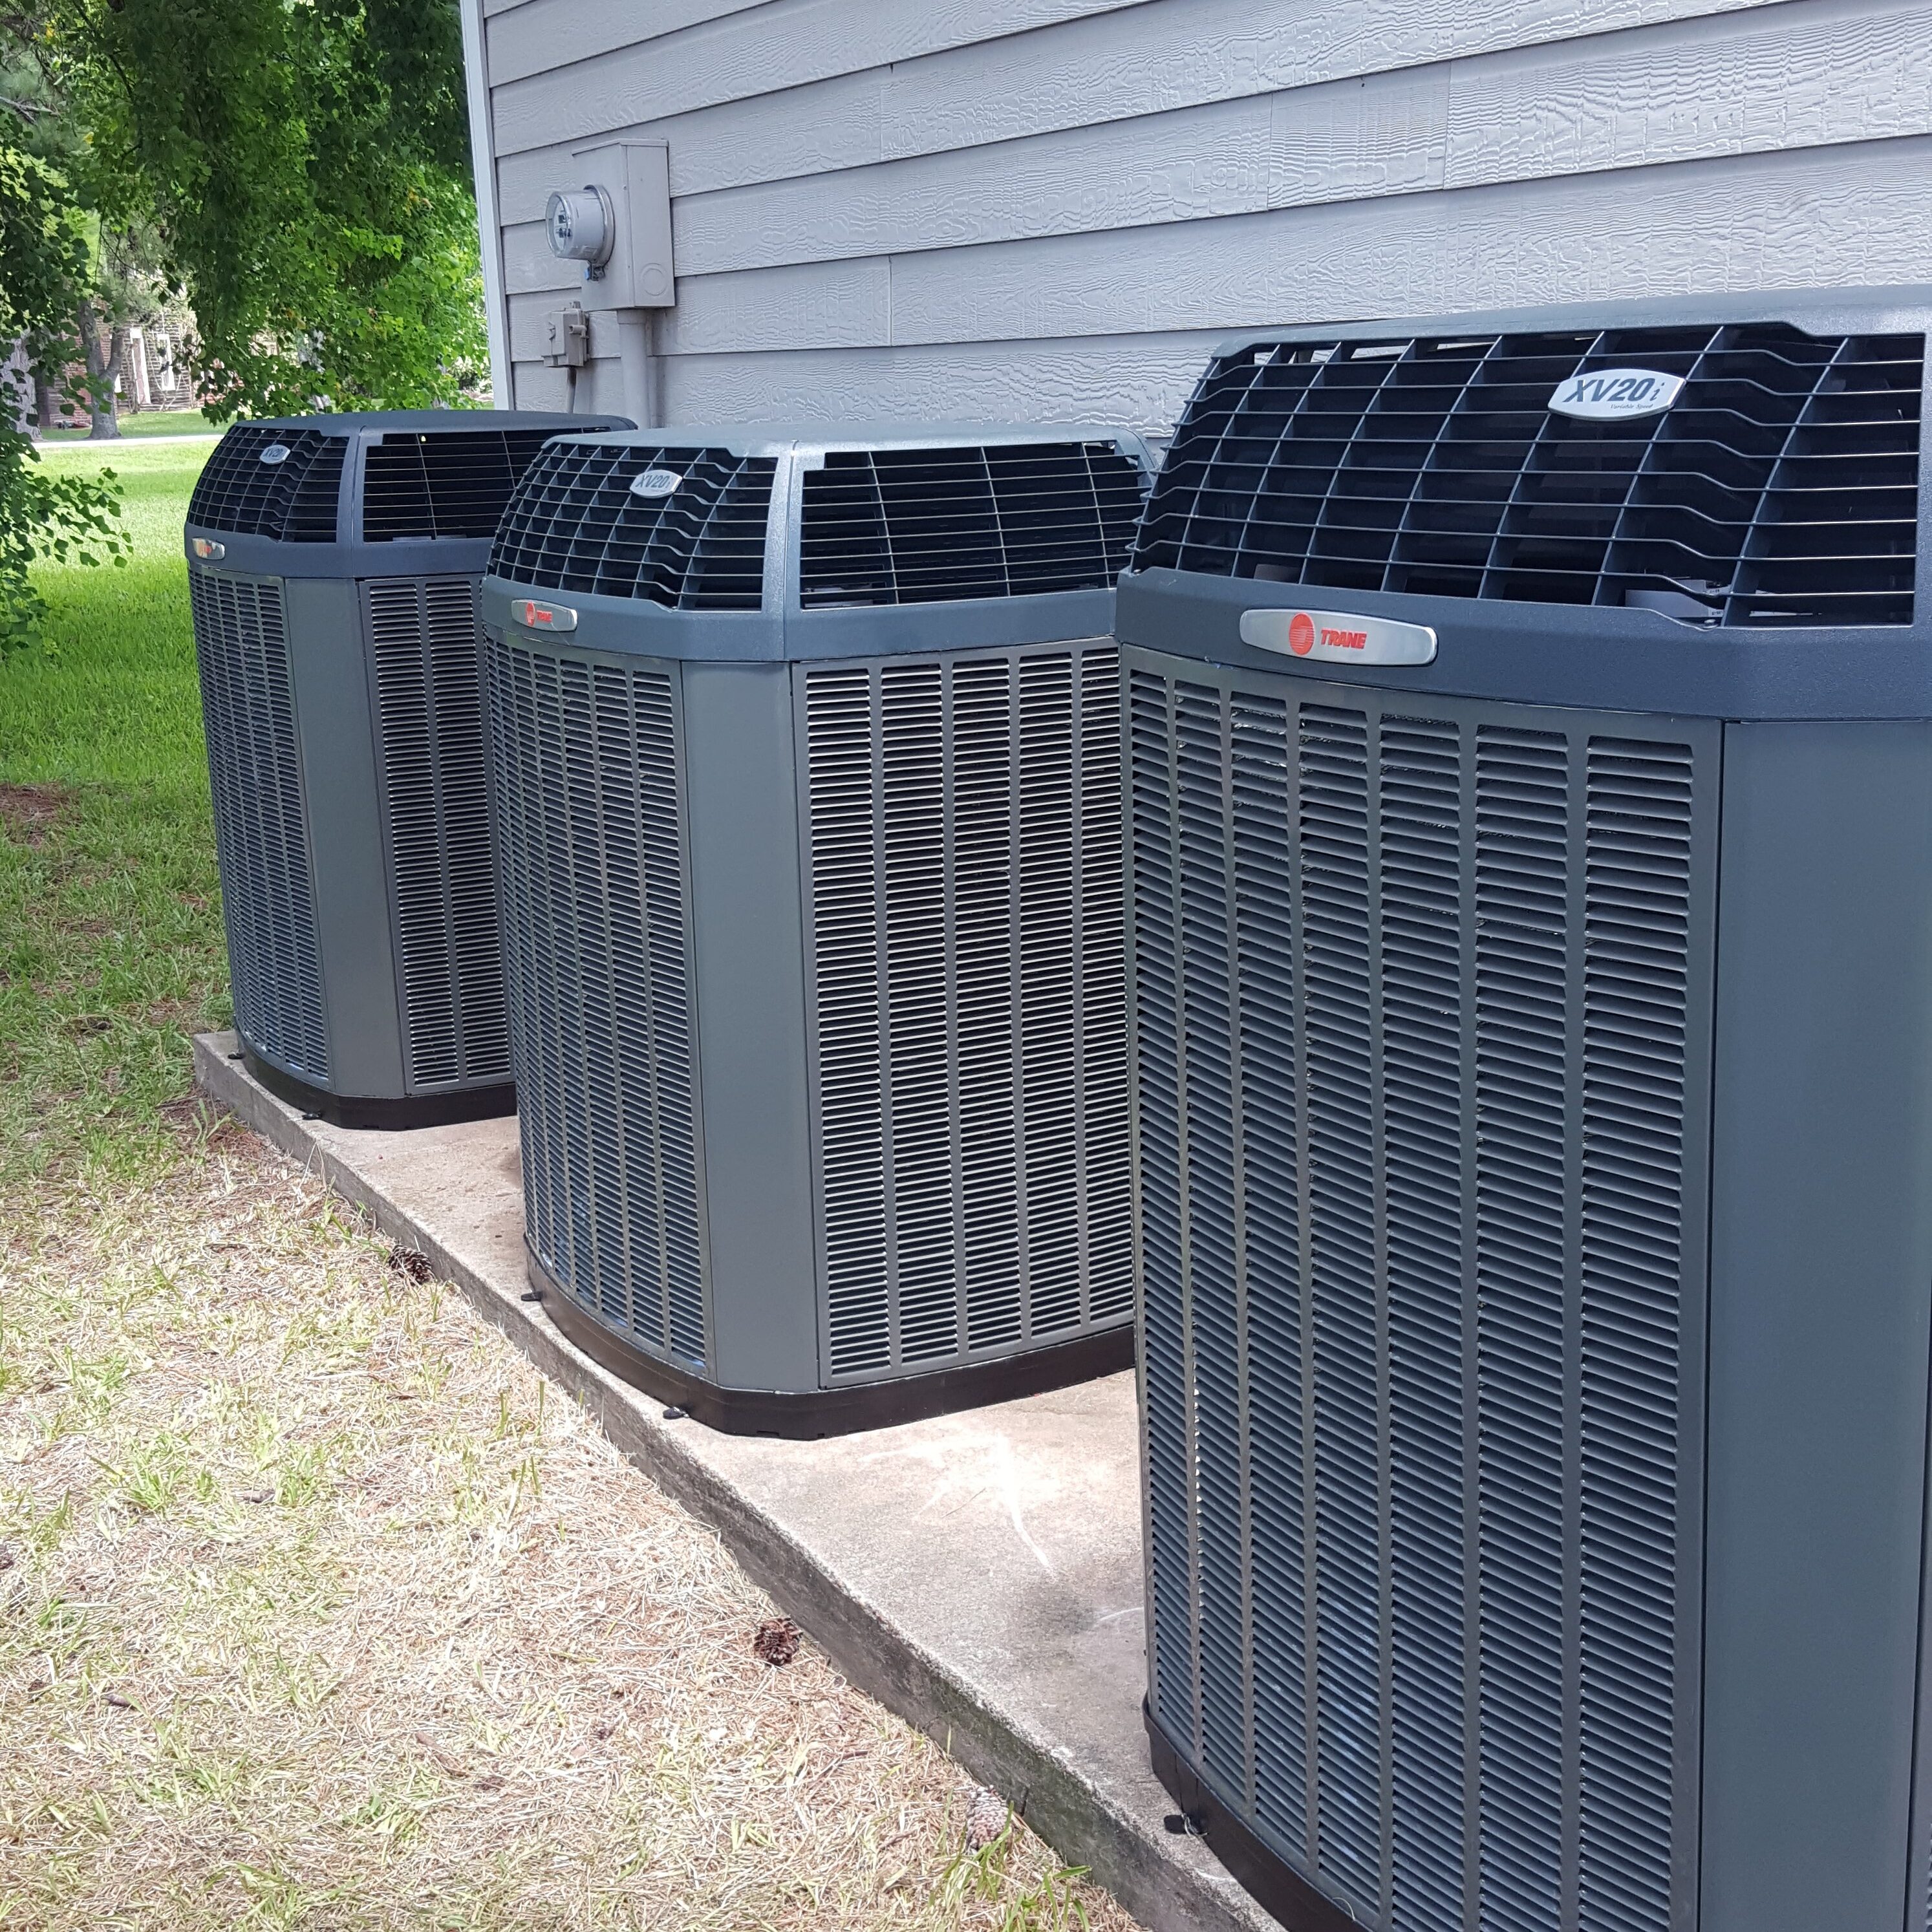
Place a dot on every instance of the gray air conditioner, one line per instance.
(333, 563)
(1530, 768)
(805, 763)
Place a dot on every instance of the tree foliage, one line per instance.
(45, 267)
(298, 170)
(305, 164)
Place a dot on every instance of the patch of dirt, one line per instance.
(198, 1118)
(30, 812)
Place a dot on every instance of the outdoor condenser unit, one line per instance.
(1530, 945)
(333, 563)
(805, 762)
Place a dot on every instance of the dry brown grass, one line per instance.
(319, 1607)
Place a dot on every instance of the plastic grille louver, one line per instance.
(925, 526)
(1781, 488)
(450, 483)
(293, 498)
(575, 524)
(423, 644)
(1420, 1041)
(967, 1006)
(587, 784)
(261, 832)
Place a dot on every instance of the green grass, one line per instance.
(110, 933)
(149, 422)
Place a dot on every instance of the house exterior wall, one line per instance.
(1041, 208)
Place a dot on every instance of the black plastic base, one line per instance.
(834, 1412)
(413, 1110)
(1271, 1879)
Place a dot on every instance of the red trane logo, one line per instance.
(1345, 640)
(1301, 634)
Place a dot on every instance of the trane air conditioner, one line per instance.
(806, 770)
(1531, 941)
(333, 563)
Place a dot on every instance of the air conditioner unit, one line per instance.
(1531, 947)
(805, 762)
(333, 563)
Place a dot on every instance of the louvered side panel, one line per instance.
(426, 671)
(984, 843)
(260, 820)
(849, 1012)
(1207, 1046)
(1422, 944)
(1339, 1073)
(1263, 805)
(1523, 1051)
(1420, 1274)
(1162, 1195)
(588, 801)
(922, 1074)
(962, 829)
(1638, 914)
(1100, 982)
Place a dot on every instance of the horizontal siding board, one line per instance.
(1818, 72)
(1138, 381)
(1189, 165)
(1808, 217)
(1808, 75)
(1086, 73)
(805, 130)
(545, 33)
(820, 305)
(529, 265)
(784, 44)
(1179, 53)
(1812, 217)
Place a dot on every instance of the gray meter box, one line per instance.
(806, 771)
(1530, 778)
(333, 564)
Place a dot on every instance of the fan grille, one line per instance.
(575, 524)
(927, 526)
(293, 499)
(1781, 488)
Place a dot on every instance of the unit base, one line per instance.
(412, 1110)
(1278, 1887)
(834, 1412)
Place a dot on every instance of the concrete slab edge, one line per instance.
(1082, 1824)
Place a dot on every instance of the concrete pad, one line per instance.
(980, 1574)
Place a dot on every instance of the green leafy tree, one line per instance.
(45, 265)
(305, 164)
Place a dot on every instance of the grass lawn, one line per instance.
(318, 1606)
(149, 422)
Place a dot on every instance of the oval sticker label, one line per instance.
(1616, 395)
(655, 483)
(276, 452)
(1335, 637)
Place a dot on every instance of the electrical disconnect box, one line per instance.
(617, 224)
(567, 338)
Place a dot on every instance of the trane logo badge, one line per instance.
(655, 483)
(1616, 395)
(536, 617)
(1334, 637)
(276, 452)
